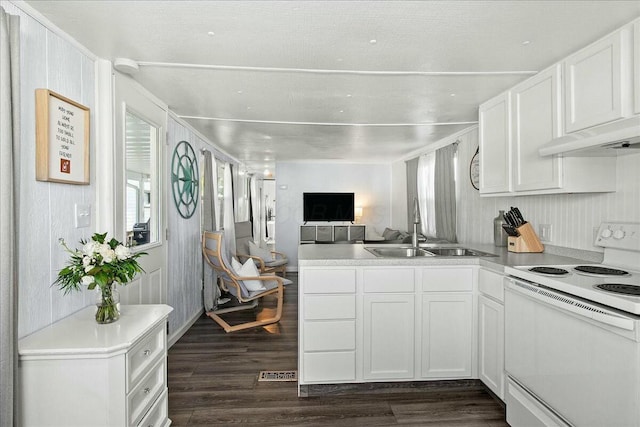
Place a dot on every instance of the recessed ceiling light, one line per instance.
(342, 111)
(248, 108)
(240, 92)
(526, 42)
(349, 95)
(339, 60)
(373, 41)
(211, 33)
(452, 94)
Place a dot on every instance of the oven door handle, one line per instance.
(573, 305)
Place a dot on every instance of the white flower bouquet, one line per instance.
(99, 263)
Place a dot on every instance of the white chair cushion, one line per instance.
(255, 250)
(248, 269)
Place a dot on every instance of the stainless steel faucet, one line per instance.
(416, 221)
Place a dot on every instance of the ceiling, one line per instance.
(359, 81)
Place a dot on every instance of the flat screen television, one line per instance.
(328, 206)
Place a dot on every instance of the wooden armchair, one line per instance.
(267, 261)
(216, 256)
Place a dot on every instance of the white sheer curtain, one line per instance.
(216, 204)
(9, 155)
(255, 208)
(229, 225)
(426, 193)
(211, 291)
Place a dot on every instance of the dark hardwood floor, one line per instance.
(213, 380)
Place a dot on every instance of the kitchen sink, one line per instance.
(457, 252)
(408, 252)
(399, 252)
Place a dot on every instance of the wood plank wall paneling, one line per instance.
(47, 209)
(184, 284)
(573, 216)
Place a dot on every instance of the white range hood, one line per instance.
(608, 140)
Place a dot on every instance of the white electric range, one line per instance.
(614, 283)
(572, 337)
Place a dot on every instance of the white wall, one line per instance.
(47, 209)
(371, 184)
(573, 216)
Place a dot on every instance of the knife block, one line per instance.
(527, 241)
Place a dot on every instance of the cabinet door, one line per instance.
(495, 145)
(388, 336)
(446, 335)
(491, 344)
(593, 80)
(536, 107)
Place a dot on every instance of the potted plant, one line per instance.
(100, 264)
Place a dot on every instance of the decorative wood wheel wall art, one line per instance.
(185, 179)
(474, 170)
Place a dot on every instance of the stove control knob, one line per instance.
(618, 234)
(606, 233)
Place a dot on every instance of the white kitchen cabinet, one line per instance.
(491, 331)
(596, 83)
(389, 338)
(447, 326)
(536, 121)
(327, 335)
(78, 373)
(386, 323)
(495, 145)
(536, 116)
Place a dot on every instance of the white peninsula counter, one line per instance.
(364, 318)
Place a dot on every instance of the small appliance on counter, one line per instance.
(499, 233)
(522, 237)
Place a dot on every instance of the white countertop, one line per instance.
(356, 254)
(81, 334)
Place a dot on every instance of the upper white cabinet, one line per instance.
(536, 121)
(594, 86)
(594, 83)
(636, 68)
(495, 145)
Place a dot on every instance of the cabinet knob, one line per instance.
(147, 390)
(147, 352)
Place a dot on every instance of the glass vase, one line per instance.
(107, 304)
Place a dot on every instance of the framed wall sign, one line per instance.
(62, 139)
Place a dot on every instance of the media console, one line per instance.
(331, 233)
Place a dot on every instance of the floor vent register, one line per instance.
(278, 376)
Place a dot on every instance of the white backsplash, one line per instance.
(572, 216)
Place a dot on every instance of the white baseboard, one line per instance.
(180, 332)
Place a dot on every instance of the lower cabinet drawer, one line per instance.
(158, 414)
(318, 307)
(144, 354)
(140, 399)
(447, 279)
(329, 335)
(329, 367)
